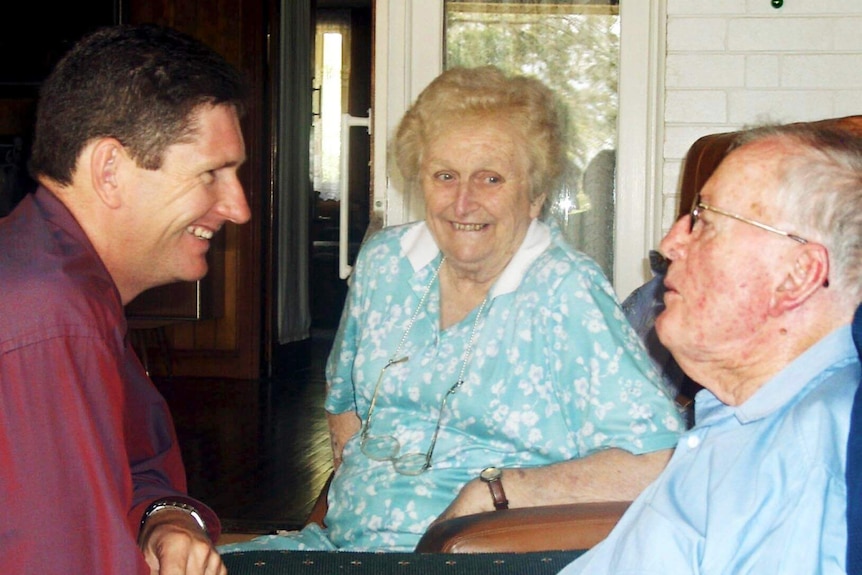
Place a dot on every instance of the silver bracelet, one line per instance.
(162, 505)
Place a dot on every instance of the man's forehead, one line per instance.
(746, 172)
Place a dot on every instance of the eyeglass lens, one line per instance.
(694, 213)
(386, 447)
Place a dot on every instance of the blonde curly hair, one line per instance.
(461, 94)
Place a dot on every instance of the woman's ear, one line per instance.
(808, 272)
(106, 156)
(536, 206)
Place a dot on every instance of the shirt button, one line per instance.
(692, 441)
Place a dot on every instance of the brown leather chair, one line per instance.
(573, 526)
(708, 151)
(545, 528)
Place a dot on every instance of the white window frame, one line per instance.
(404, 64)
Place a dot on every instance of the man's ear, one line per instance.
(106, 157)
(808, 272)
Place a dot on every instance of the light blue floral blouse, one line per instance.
(556, 373)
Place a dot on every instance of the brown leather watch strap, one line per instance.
(494, 478)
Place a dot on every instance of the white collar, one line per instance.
(421, 249)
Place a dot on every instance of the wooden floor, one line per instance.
(257, 452)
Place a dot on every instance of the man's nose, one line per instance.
(233, 205)
(675, 243)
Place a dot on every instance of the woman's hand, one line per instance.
(473, 498)
(342, 427)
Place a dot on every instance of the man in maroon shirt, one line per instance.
(136, 150)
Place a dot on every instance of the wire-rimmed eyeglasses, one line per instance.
(700, 206)
(387, 447)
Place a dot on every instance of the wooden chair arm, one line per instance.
(547, 528)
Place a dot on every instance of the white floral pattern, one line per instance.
(556, 373)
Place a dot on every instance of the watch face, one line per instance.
(491, 474)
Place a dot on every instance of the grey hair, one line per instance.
(532, 109)
(820, 190)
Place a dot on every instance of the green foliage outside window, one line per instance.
(574, 48)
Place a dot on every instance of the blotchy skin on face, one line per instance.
(724, 273)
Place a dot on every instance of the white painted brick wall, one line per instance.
(731, 63)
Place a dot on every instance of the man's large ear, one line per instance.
(106, 156)
(808, 273)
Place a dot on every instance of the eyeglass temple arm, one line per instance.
(451, 390)
(367, 424)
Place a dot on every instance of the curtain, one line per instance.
(293, 189)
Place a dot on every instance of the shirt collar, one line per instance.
(817, 362)
(421, 249)
(56, 212)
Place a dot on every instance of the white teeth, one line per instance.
(468, 227)
(200, 232)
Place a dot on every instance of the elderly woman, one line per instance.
(479, 357)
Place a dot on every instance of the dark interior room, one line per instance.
(245, 392)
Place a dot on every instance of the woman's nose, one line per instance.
(465, 200)
(674, 244)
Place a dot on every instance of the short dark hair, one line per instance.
(139, 84)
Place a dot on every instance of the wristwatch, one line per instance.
(493, 476)
(164, 504)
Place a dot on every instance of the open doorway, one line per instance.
(340, 169)
(323, 75)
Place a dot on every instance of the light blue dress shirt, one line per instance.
(757, 488)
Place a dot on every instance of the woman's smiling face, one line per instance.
(475, 180)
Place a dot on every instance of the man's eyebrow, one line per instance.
(231, 164)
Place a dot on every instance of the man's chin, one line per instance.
(197, 275)
(664, 326)
(192, 273)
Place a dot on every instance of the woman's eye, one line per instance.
(491, 179)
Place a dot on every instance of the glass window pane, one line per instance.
(331, 78)
(327, 164)
(574, 47)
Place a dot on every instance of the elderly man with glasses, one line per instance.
(763, 283)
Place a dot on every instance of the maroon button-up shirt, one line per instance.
(86, 440)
